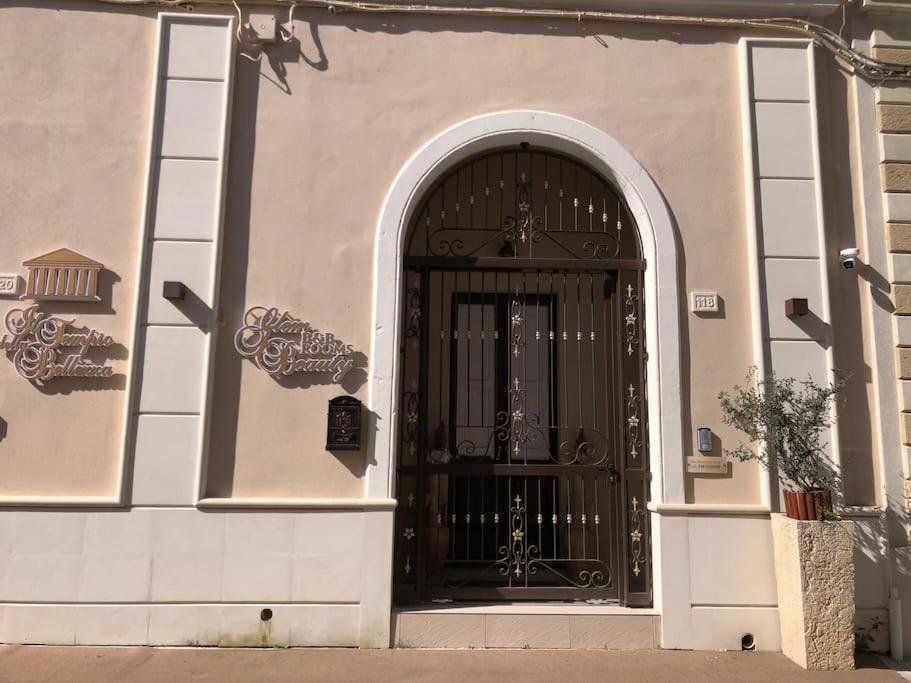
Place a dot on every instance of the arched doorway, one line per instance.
(522, 457)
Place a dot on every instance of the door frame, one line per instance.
(661, 286)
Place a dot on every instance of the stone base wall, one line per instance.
(815, 569)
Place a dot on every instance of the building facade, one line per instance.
(532, 243)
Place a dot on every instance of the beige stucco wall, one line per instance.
(365, 94)
(75, 87)
(319, 131)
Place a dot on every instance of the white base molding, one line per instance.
(216, 625)
(526, 626)
(814, 565)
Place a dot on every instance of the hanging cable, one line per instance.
(287, 34)
(239, 35)
(865, 66)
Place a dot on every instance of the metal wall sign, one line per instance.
(62, 275)
(43, 347)
(696, 464)
(280, 344)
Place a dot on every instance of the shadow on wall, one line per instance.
(229, 365)
(306, 44)
(871, 595)
(235, 254)
(854, 412)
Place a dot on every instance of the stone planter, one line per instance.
(814, 567)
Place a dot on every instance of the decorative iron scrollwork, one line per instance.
(514, 555)
(630, 321)
(411, 422)
(636, 537)
(633, 440)
(518, 558)
(413, 315)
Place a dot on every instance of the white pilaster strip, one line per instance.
(169, 402)
(785, 218)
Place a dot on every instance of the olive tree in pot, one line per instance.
(785, 421)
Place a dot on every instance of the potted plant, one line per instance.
(785, 421)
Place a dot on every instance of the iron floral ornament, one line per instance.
(280, 344)
(38, 343)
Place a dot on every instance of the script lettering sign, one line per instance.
(280, 344)
(43, 347)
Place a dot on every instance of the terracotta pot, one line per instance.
(808, 505)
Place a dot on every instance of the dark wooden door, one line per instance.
(522, 464)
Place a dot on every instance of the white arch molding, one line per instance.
(659, 247)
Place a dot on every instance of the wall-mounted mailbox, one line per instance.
(704, 439)
(174, 291)
(344, 429)
(796, 307)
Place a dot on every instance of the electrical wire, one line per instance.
(239, 35)
(865, 66)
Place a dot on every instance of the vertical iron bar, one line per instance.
(420, 484)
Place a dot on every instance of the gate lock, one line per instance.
(614, 474)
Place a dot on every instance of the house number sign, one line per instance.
(44, 347)
(280, 344)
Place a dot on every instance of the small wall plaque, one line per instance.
(9, 285)
(702, 465)
(344, 429)
(705, 302)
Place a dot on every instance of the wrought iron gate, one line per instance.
(522, 456)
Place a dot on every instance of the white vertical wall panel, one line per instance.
(194, 49)
(784, 141)
(180, 261)
(787, 278)
(182, 243)
(190, 121)
(165, 461)
(185, 192)
(785, 215)
(796, 359)
(780, 72)
(788, 217)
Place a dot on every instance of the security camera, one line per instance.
(849, 258)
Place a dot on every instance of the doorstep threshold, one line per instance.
(580, 608)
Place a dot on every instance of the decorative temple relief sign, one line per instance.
(62, 275)
(43, 347)
(280, 344)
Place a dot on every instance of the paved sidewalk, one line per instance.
(48, 664)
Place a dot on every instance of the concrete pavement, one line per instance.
(49, 664)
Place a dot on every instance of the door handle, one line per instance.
(613, 474)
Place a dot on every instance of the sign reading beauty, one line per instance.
(44, 347)
(281, 344)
